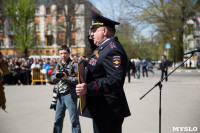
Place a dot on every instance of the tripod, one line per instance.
(160, 89)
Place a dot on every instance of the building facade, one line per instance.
(192, 41)
(50, 28)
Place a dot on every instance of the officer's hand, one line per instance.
(81, 89)
(65, 76)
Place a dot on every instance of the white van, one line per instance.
(43, 56)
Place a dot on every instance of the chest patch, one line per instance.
(93, 62)
(116, 61)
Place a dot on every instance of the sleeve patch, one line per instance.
(116, 61)
(112, 45)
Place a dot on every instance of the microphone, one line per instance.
(192, 51)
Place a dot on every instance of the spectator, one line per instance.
(17, 71)
(144, 67)
(164, 67)
(26, 72)
(46, 66)
(129, 68)
(137, 66)
(35, 64)
(133, 68)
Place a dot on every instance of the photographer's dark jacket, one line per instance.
(64, 86)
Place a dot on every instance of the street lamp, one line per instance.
(174, 39)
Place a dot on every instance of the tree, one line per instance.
(128, 34)
(170, 18)
(68, 24)
(21, 13)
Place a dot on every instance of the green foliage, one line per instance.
(21, 13)
(170, 17)
(135, 45)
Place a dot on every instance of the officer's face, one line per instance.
(64, 55)
(98, 35)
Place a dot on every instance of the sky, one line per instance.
(104, 6)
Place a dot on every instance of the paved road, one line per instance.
(28, 107)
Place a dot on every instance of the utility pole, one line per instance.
(174, 39)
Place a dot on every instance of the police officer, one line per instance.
(104, 76)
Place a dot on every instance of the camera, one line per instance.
(61, 74)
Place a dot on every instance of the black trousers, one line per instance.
(162, 75)
(107, 125)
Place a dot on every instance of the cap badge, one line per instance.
(93, 23)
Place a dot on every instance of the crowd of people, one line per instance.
(20, 68)
(135, 66)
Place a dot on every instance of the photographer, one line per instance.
(65, 74)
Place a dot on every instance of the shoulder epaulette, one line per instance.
(112, 45)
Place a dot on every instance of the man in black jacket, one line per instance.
(164, 67)
(105, 75)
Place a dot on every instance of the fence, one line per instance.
(38, 76)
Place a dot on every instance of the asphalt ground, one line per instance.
(28, 107)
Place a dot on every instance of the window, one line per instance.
(49, 41)
(12, 43)
(198, 43)
(1, 27)
(37, 27)
(72, 27)
(11, 28)
(37, 42)
(47, 51)
(48, 27)
(1, 10)
(36, 11)
(59, 11)
(60, 42)
(1, 43)
(61, 27)
(48, 12)
(73, 42)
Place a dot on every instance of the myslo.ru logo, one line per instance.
(185, 129)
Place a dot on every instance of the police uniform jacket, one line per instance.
(105, 75)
